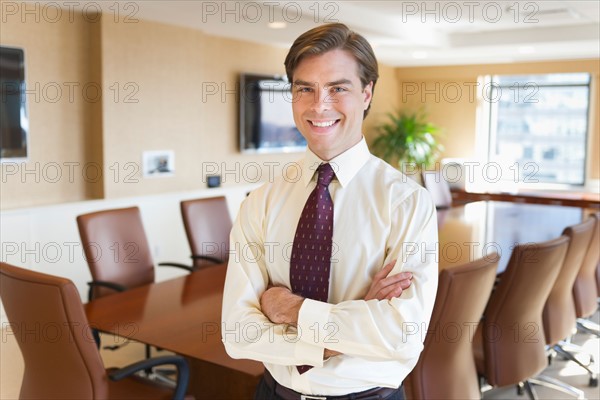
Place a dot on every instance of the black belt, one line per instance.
(289, 394)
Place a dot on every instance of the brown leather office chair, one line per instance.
(116, 250)
(117, 253)
(61, 359)
(559, 314)
(207, 226)
(509, 342)
(585, 291)
(446, 369)
(437, 186)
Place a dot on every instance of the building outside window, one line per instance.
(535, 127)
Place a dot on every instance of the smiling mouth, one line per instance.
(324, 124)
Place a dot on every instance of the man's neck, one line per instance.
(328, 155)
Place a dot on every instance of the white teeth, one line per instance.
(323, 124)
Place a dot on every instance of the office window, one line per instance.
(538, 127)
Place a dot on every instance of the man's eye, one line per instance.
(338, 89)
(304, 90)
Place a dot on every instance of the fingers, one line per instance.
(389, 292)
(393, 290)
(330, 353)
(393, 279)
(385, 270)
(381, 274)
(387, 287)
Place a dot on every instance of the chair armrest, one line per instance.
(207, 258)
(176, 265)
(183, 371)
(111, 285)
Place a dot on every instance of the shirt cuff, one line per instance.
(314, 329)
(309, 354)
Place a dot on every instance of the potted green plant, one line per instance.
(407, 140)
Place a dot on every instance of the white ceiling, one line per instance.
(403, 33)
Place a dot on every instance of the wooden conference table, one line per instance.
(475, 229)
(183, 315)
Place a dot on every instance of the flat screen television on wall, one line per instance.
(14, 124)
(266, 121)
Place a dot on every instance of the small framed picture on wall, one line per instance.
(159, 163)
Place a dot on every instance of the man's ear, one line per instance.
(368, 94)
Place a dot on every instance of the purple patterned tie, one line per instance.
(311, 253)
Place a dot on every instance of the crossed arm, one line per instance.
(281, 306)
(275, 326)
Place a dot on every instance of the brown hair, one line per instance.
(329, 37)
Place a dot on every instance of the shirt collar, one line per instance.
(345, 165)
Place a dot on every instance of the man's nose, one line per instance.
(321, 100)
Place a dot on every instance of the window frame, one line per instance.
(488, 122)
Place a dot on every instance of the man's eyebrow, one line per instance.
(300, 82)
(339, 82)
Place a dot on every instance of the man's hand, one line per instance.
(327, 354)
(280, 305)
(386, 287)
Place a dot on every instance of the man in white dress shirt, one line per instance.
(363, 341)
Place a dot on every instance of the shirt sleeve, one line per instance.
(388, 329)
(246, 332)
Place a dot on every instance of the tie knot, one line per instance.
(326, 174)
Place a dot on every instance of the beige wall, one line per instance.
(385, 100)
(61, 122)
(436, 90)
(158, 71)
(153, 77)
(154, 80)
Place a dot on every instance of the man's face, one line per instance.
(329, 102)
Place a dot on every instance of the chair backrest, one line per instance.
(513, 337)
(207, 226)
(439, 189)
(446, 368)
(47, 319)
(598, 279)
(585, 290)
(116, 248)
(559, 311)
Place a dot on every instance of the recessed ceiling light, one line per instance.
(277, 25)
(526, 49)
(419, 54)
